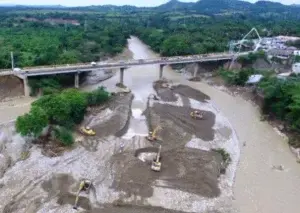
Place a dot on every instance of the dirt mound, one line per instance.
(177, 125)
(164, 92)
(10, 86)
(190, 93)
(118, 118)
(181, 170)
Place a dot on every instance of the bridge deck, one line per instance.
(49, 70)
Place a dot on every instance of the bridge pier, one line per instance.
(122, 75)
(26, 87)
(196, 68)
(77, 80)
(161, 70)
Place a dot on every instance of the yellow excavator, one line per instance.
(197, 114)
(156, 164)
(85, 185)
(152, 135)
(87, 131)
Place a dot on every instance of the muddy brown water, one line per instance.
(185, 169)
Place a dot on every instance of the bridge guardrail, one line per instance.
(162, 60)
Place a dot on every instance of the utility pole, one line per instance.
(12, 60)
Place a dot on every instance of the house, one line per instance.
(297, 52)
(281, 53)
(296, 68)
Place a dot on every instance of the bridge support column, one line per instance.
(122, 75)
(77, 80)
(161, 70)
(26, 86)
(196, 70)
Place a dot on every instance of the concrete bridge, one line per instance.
(122, 65)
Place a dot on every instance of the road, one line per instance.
(74, 68)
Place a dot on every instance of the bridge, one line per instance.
(122, 65)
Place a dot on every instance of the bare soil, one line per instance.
(118, 123)
(181, 168)
(190, 93)
(126, 208)
(10, 86)
(177, 125)
(166, 94)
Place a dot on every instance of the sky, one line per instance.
(114, 2)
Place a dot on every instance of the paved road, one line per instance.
(50, 70)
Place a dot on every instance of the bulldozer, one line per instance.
(152, 135)
(85, 185)
(87, 131)
(197, 114)
(156, 164)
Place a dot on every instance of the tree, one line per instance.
(57, 109)
(32, 123)
(77, 102)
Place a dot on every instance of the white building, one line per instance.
(297, 52)
(296, 68)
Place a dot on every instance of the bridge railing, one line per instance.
(123, 63)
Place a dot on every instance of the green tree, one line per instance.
(77, 102)
(64, 136)
(32, 123)
(57, 109)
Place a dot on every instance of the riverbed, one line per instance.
(259, 186)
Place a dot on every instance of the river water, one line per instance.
(258, 186)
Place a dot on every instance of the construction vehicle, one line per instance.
(152, 135)
(85, 185)
(197, 114)
(156, 164)
(87, 131)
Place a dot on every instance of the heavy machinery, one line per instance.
(152, 135)
(156, 164)
(85, 185)
(87, 131)
(197, 114)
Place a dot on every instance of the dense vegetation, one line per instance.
(35, 41)
(60, 111)
(63, 35)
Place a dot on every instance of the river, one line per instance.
(258, 186)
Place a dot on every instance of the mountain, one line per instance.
(219, 6)
(175, 5)
(212, 7)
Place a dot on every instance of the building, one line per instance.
(296, 68)
(297, 52)
(281, 53)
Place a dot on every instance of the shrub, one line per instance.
(236, 77)
(64, 136)
(226, 159)
(98, 96)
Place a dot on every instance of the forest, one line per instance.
(48, 36)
